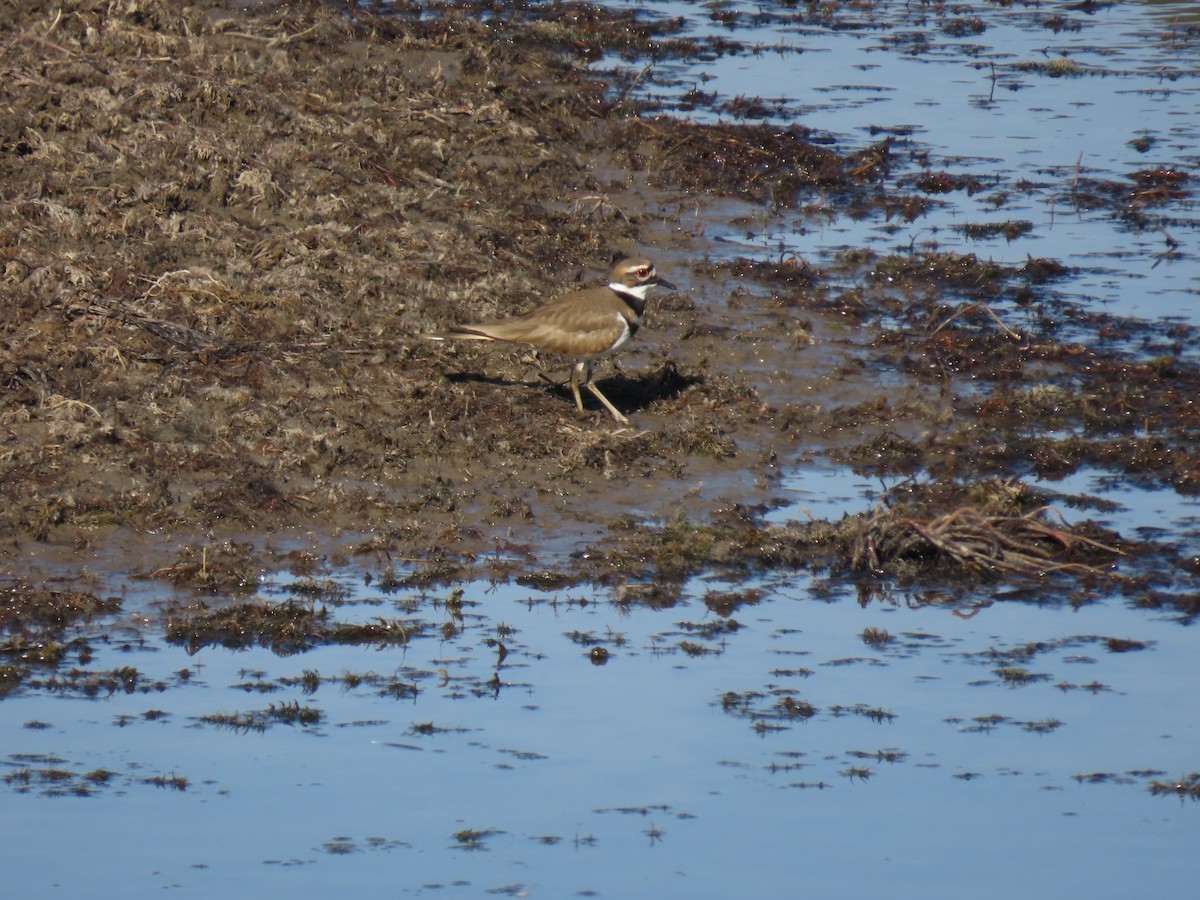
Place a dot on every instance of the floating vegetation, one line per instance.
(426, 729)
(473, 838)
(890, 755)
(173, 782)
(876, 637)
(791, 673)
(50, 777)
(1058, 67)
(285, 628)
(1092, 687)
(964, 26)
(308, 681)
(1187, 604)
(791, 708)
(314, 590)
(714, 629)
(1124, 645)
(585, 638)
(874, 713)
(986, 724)
(1017, 676)
(725, 603)
(773, 710)
(101, 683)
(981, 724)
(342, 845)
(945, 182)
(1186, 787)
(291, 713)
(1010, 231)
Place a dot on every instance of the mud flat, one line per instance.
(228, 226)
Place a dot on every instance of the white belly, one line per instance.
(622, 339)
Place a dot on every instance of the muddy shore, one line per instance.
(228, 227)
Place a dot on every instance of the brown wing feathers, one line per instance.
(572, 326)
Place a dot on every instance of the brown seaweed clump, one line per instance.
(966, 535)
(974, 542)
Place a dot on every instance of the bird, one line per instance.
(584, 325)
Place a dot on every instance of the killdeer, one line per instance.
(584, 325)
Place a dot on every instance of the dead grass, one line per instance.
(978, 543)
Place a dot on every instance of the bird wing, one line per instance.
(569, 329)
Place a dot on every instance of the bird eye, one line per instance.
(644, 272)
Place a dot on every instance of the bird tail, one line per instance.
(458, 334)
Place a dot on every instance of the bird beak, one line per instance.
(663, 283)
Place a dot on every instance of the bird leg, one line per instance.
(576, 371)
(585, 369)
(612, 409)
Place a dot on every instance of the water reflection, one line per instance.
(1183, 12)
(856, 741)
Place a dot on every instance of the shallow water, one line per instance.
(921, 764)
(999, 745)
(1151, 514)
(1034, 141)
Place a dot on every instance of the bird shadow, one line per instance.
(630, 393)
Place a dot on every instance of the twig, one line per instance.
(979, 304)
(57, 402)
(180, 335)
(633, 84)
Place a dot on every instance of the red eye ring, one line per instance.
(644, 272)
